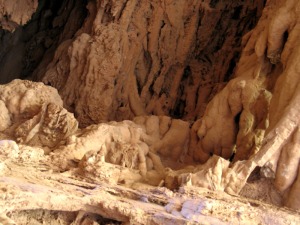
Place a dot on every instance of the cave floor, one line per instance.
(34, 191)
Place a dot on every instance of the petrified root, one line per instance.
(280, 153)
(283, 133)
(208, 175)
(277, 156)
(216, 174)
(93, 167)
(217, 130)
(287, 166)
(143, 146)
(38, 121)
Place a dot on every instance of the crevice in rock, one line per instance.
(28, 45)
(40, 217)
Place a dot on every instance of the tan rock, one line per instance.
(14, 13)
(33, 114)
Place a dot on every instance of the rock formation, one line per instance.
(151, 104)
(268, 61)
(14, 13)
(146, 58)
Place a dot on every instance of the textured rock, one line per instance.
(48, 128)
(236, 117)
(145, 148)
(33, 114)
(270, 61)
(134, 58)
(23, 99)
(17, 12)
(37, 192)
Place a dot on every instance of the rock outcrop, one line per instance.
(33, 114)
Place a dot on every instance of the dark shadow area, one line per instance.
(43, 216)
(23, 50)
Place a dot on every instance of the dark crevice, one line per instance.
(213, 3)
(237, 118)
(248, 22)
(285, 38)
(255, 175)
(237, 12)
(22, 51)
(121, 11)
(231, 67)
(151, 90)
(41, 216)
(232, 157)
(107, 16)
(179, 109)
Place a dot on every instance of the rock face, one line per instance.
(14, 13)
(270, 63)
(146, 97)
(134, 58)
